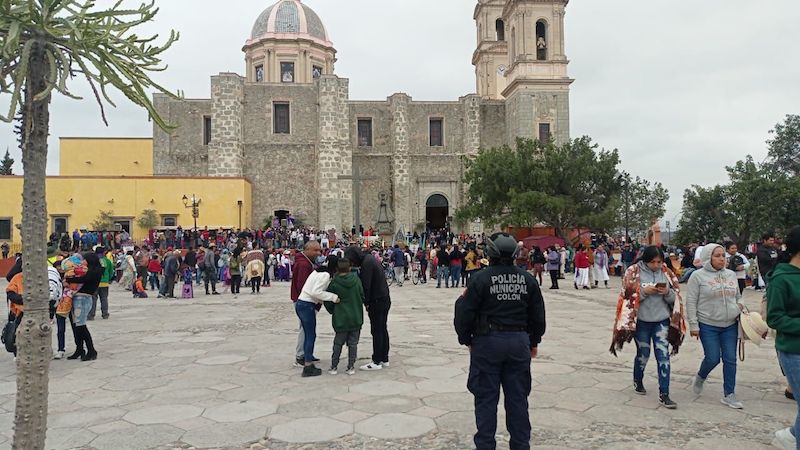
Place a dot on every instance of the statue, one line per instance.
(541, 44)
(383, 223)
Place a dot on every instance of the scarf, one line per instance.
(628, 308)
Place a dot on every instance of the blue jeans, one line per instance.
(720, 343)
(501, 359)
(790, 363)
(442, 273)
(654, 333)
(455, 275)
(308, 318)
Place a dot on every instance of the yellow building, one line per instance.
(115, 175)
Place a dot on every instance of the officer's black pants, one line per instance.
(378, 317)
(501, 359)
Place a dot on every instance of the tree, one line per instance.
(702, 215)
(44, 44)
(641, 203)
(7, 164)
(148, 219)
(103, 222)
(563, 186)
(784, 147)
(757, 199)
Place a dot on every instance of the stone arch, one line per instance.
(542, 42)
(437, 209)
(500, 29)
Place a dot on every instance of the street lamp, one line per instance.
(193, 203)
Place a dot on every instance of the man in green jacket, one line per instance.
(102, 290)
(348, 315)
(783, 314)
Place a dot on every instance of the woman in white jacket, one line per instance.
(314, 292)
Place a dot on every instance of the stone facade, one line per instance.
(324, 174)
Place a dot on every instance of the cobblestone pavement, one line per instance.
(216, 372)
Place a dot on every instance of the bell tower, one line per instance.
(491, 55)
(537, 84)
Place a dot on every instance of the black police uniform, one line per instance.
(501, 316)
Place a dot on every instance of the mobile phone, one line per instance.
(661, 285)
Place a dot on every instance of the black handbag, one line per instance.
(9, 336)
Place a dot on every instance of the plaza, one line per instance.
(216, 372)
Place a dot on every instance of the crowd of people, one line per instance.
(348, 276)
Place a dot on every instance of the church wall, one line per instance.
(493, 124)
(282, 167)
(284, 178)
(377, 170)
(181, 151)
(420, 114)
(303, 110)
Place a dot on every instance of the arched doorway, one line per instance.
(437, 208)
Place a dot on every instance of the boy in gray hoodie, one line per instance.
(713, 305)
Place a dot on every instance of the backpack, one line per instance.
(9, 335)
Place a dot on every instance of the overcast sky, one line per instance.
(680, 88)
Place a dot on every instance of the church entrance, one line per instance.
(437, 209)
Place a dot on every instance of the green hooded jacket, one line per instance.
(348, 314)
(783, 306)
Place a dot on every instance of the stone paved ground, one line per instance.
(215, 372)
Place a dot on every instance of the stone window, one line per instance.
(206, 130)
(169, 221)
(281, 117)
(60, 225)
(437, 132)
(544, 133)
(500, 27)
(365, 132)
(287, 72)
(5, 228)
(541, 40)
(316, 72)
(259, 73)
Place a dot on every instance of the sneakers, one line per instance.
(299, 362)
(311, 371)
(351, 371)
(638, 387)
(730, 400)
(59, 355)
(785, 439)
(385, 364)
(371, 366)
(697, 385)
(666, 402)
(333, 371)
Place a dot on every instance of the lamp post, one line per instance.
(193, 203)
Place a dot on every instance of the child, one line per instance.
(348, 315)
(188, 289)
(138, 288)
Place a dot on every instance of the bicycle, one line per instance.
(388, 272)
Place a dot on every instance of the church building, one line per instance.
(289, 126)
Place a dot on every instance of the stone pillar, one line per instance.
(227, 105)
(401, 181)
(161, 141)
(335, 155)
(472, 123)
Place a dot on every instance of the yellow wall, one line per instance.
(130, 157)
(80, 199)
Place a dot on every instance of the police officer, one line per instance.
(501, 319)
